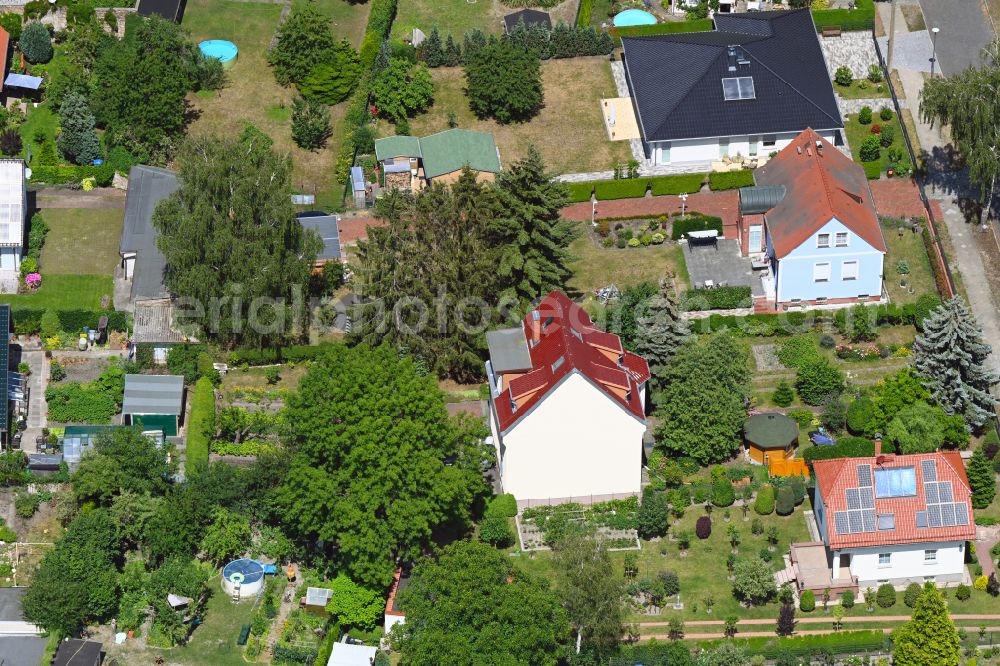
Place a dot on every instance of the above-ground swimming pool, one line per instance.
(220, 49)
(633, 17)
(244, 575)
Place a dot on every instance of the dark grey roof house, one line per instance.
(77, 652)
(326, 227)
(172, 10)
(142, 260)
(746, 88)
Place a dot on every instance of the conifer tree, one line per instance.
(432, 49)
(452, 52)
(950, 359)
(78, 140)
(930, 637)
(534, 256)
(659, 333)
(981, 479)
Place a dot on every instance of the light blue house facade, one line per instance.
(812, 221)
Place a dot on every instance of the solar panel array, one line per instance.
(942, 509)
(860, 514)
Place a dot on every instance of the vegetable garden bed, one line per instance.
(612, 523)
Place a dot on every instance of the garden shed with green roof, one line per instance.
(412, 163)
(770, 437)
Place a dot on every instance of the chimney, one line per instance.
(808, 152)
(536, 327)
(819, 148)
(878, 445)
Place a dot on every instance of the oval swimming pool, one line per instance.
(220, 49)
(633, 17)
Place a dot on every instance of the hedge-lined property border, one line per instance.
(28, 321)
(634, 188)
(730, 180)
(844, 642)
(201, 426)
(61, 175)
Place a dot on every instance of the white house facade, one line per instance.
(13, 221)
(894, 519)
(566, 408)
(715, 148)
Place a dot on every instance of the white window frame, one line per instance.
(820, 240)
(887, 557)
(837, 236)
(930, 556)
(817, 271)
(769, 140)
(844, 276)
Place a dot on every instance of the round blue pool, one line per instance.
(633, 17)
(244, 575)
(220, 49)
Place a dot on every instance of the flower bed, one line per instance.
(871, 352)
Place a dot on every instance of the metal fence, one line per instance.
(918, 171)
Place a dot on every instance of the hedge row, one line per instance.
(579, 191)
(695, 222)
(61, 175)
(635, 188)
(294, 353)
(584, 12)
(873, 170)
(719, 298)
(627, 188)
(843, 642)
(201, 425)
(380, 19)
(941, 280)
(846, 447)
(685, 183)
(698, 25)
(730, 180)
(28, 321)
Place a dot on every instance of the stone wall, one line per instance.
(57, 19)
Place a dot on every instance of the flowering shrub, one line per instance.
(32, 280)
(876, 129)
(870, 352)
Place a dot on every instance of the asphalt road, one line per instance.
(965, 30)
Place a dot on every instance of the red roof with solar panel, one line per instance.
(895, 499)
(561, 339)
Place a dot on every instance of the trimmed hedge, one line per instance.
(61, 175)
(941, 280)
(698, 25)
(684, 183)
(294, 353)
(583, 13)
(626, 188)
(846, 447)
(579, 191)
(730, 180)
(201, 426)
(873, 170)
(695, 222)
(842, 642)
(719, 298)
(28, 321)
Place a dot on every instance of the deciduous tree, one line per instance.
(402, 89)
(754, 581)
(591, 593)
(303, 41)
(227, 536)
(372, 438)
(230, 232)
(331, 80)
(472, 606)
(354, 605)
(310, 123)
(950, 358)
(923, 428)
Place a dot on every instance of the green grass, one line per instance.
(568, 130)
(857, 133)
(863, 89)
(347, 19)
(908, 247)
(81, 241)
(449, 16)
(279, 113)
(40, 119)
(64, 292)
(597, 267)
(257, 378)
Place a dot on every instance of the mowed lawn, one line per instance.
(347, 19)
(251, 93)
(65, 292)
(455, 17)
(909, 247)
(596, 267)
(81, 241)
(568, 130)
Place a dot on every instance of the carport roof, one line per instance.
(153, 394)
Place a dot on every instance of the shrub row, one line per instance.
(584, 12)
(873, 170)
(695, 222)
(294, 353)
(201, 425)
(698, 25)
(941, 280)
(719, 298)
(28, 321)
(844, 642)
(846, 447)
(61, 175)
(890, 314)
(730, 180)
(634, 188)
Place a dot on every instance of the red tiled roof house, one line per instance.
(891, 519)
(566, 407)
(811, 219)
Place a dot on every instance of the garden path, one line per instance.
(285, 607)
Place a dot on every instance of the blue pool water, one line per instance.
(633, 17)
(219, 48)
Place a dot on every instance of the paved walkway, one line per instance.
(38, 410)
(722, 204)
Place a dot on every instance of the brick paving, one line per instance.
(897, 197)
(721, 204)
(354, 228)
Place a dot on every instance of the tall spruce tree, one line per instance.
(78, 140)
(950, 358)
(930, 637)
(432, 49)
(982, 480)
(659, 333)
(535, 238)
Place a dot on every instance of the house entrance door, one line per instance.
(845, 562)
